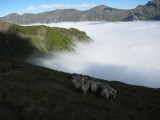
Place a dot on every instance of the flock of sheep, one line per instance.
(83, 84)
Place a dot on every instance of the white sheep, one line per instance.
(86, 78)
(111, 94)
(93, 86)
(84, 89)
(76, 84)
(99, 86)
(83, 83)
(103, 86)
(112, 89)
(82, 80)
(88, 84)
(74, 81)
(104, 93)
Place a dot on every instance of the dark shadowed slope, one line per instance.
(29, 92)
(150, 11)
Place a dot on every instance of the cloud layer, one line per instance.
(122, 51)
(60, 6)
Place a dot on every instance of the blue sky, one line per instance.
(37, 6)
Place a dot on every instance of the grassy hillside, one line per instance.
(23, 41)
(29, 92)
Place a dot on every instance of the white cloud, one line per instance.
(31, 8)
(60, 6)
(123, 51)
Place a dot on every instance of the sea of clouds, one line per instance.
(121, 51)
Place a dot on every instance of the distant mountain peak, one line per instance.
(14, 14)
(150, 11)
(100, 7)
(157, 1)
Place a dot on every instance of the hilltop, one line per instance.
(23, 41)
(149, 11)
(29, 92)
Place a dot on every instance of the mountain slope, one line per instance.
(100, 13)
(23, 41)
(29, 92)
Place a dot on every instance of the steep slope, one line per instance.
(29, 92)
(150, 11)
(23, 41)
(100, 13)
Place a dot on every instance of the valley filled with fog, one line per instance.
(121, 51)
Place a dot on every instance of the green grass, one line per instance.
(29, 92)
(53, 37)
(36, 40)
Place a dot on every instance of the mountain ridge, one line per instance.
(149, 11)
